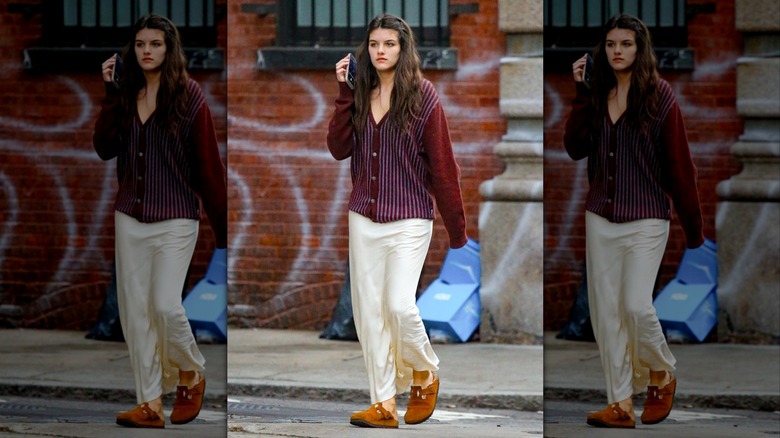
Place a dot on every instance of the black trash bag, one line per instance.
(342, 324)
(579, 328)
(108, 327)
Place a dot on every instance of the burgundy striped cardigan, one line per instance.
(634, 173)
(163, 174)
(394, 174)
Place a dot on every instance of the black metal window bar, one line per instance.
(577, 23)
(315, 23)
(103, 23)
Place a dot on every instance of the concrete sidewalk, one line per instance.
(709, 375)
(297, 364)
(63, 364)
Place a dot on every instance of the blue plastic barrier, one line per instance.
(206, 303)
(687, 307)
(450, 305)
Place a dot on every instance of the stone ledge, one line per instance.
(512, 190)
(758, 179)
(522, 179)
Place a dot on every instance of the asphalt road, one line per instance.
(567, 419)
(27, 417)
(252, 416)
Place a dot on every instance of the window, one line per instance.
(343, 23)
(81, 32)
(575, 25)
(313, 34)
(96, 23)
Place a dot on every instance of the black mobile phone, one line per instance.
(119, 68)
(351, 71)
(587, 73)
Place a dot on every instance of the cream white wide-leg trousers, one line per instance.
(151, 266)
(385, 261)
(622, 262)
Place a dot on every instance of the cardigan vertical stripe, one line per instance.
(164, 174)
(633, 173)
(395, 174)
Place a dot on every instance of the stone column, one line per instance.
(510, 219)
(748, 216)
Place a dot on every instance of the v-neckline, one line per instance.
(617, 104)
(138, 116)
(609, 117)
(382, 120)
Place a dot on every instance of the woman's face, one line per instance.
(621, 49)
(384, 49)
(150, 49)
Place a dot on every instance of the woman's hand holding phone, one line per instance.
(108, 68)
(582, 70)
(341, 69)
(578, 68)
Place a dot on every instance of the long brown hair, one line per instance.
(406, 98)
(172, 94)
(642, 99)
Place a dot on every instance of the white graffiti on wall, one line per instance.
(67, 205)
(707, 71)
(66, 126)
(96, 210)
(12, 202)
(334, 215)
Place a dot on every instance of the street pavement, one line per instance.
(710, 375)
(567, 419)
(32, 417)
(297, 364)
(250, 416)
(58, 384)
(285, 371)
(63, 364)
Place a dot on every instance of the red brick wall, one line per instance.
(288, 196)
(56, 195)
(707, 96)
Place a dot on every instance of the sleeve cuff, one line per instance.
(695, 243)
(460, 243)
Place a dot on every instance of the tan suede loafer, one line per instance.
(141, 416)
(422, 402)
(188, 402)
(612, 416)
(659, 402)
(375, 416)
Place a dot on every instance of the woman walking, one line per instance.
(158, 126)
(629, 126)
(394, 130)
